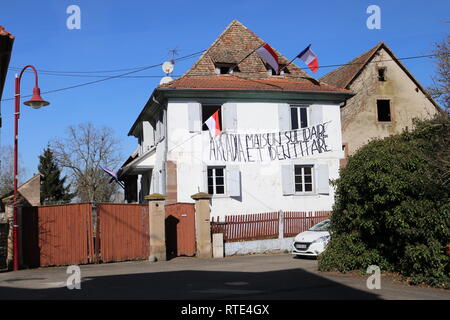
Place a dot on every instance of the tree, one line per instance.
(392, 207)
(7, 170)
(440, 89)
(53, 190)
(82, 152)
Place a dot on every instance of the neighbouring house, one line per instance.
(387, 99)
(29, 194)
(280, 140)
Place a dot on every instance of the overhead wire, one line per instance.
(140, 69)
(111, 77)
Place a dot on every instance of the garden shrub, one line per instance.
(392, 207)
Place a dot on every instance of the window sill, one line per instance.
(301, 195)
(220, 196)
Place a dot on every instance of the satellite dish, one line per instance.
(165, 80)
(167, 67)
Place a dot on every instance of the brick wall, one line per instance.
(171, 168)
(4, 228)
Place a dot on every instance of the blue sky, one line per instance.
(137, 33)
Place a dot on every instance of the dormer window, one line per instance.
(272, 72)
(226, 68)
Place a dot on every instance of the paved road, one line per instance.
(256, 277)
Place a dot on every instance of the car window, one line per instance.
(321, 226)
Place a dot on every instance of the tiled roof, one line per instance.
(5, 33)
(231, 82)
(343, 76)
(236, 46)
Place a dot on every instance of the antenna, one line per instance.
(168, 66)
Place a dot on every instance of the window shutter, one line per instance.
(284, 116)
(229, 117)
(315, 115)
(322, 179)
(287, 179)
(233, 181)
(195, 117)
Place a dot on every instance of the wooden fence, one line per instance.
(267, 225)
(248, 227)
(57, 235)
(122, 232)
(296, 222)
(65, 234)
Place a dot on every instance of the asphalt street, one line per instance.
(252, 277)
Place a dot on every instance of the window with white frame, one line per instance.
(216, 180)
(304, 181)
(299, 116)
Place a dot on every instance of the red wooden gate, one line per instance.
(57, 235)
(180, 229)
(122, 232)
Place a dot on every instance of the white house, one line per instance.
(280, 142)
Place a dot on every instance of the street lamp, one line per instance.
(35, 102)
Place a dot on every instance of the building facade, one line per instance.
(387, 97)
(280, 141)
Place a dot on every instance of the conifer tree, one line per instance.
(53, 190)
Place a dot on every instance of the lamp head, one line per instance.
(36, 100)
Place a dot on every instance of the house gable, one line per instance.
(344, 76)
(236, 47)
(386, 102)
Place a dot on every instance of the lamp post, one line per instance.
(35, 102)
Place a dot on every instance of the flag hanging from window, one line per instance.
(269, 56)
(213, 124)
(309, 58)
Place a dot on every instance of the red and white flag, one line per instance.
(213, 124)
(309, 58)
(269, 56)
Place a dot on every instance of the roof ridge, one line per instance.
(362, 64)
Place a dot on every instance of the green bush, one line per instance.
(392, 207)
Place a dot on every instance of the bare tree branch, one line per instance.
(82, 152)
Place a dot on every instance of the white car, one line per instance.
(312, 242)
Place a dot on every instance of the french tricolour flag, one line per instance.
(268, 55)
(309, 58)
(213, 124)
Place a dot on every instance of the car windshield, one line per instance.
(321, 226)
